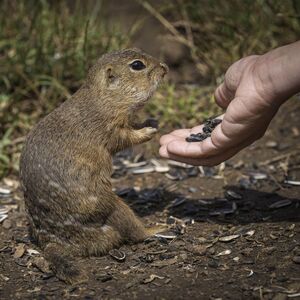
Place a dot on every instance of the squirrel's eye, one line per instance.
(137, 65)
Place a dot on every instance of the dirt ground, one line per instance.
(235, 231)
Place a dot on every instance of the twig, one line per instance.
(165, 23)
(279, 157)
(189, 41)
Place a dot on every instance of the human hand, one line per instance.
(250, 102)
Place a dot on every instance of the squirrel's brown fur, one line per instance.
(66, 163)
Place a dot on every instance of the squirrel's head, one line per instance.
(128, 76)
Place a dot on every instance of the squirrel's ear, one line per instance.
(112, 79)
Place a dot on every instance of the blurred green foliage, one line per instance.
(219, 32)
(46, 48)
(182, 106)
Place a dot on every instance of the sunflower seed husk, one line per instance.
(271, 144)
(4, 191)
(224, 211)
(3, 211)
(177, 202)
(259, 176)
(250, 232)
(171, 177)
(117, 254)
(138, 157)
(162, 169)
(143, 170)
(292, 182)
(151, 278)
(233, 195)
(136, 164)
(32, 252)
(166, 235)
(225, 252)
(165, 262)
(229, 238)
(3, 217)
(293, 295)
(179, 164)
(281, 203)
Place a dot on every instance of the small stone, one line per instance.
(211, 250)
(41, 264)
(6, 224)
(183, 256)
(247, 251)
(198, 249)
(5, 278)
(213, 263)
(296, 259)
(19, 251)
(192, 190)
(103, 277)
(148, 258)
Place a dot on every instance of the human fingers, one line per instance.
(176, 134)
(181, 147)
(226, 91)
(213, 160)
(207, 147)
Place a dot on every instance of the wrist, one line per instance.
(278, 74)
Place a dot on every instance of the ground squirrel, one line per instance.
(66, 163)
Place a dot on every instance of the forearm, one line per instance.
(279, 72)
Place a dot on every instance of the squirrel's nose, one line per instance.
(165, 68)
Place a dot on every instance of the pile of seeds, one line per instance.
(209, 126)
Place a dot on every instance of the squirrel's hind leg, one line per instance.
(128, 224)
(63, 265)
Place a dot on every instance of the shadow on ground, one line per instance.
(239, 206)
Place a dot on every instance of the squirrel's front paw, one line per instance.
(146, 134)
(150, 131)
